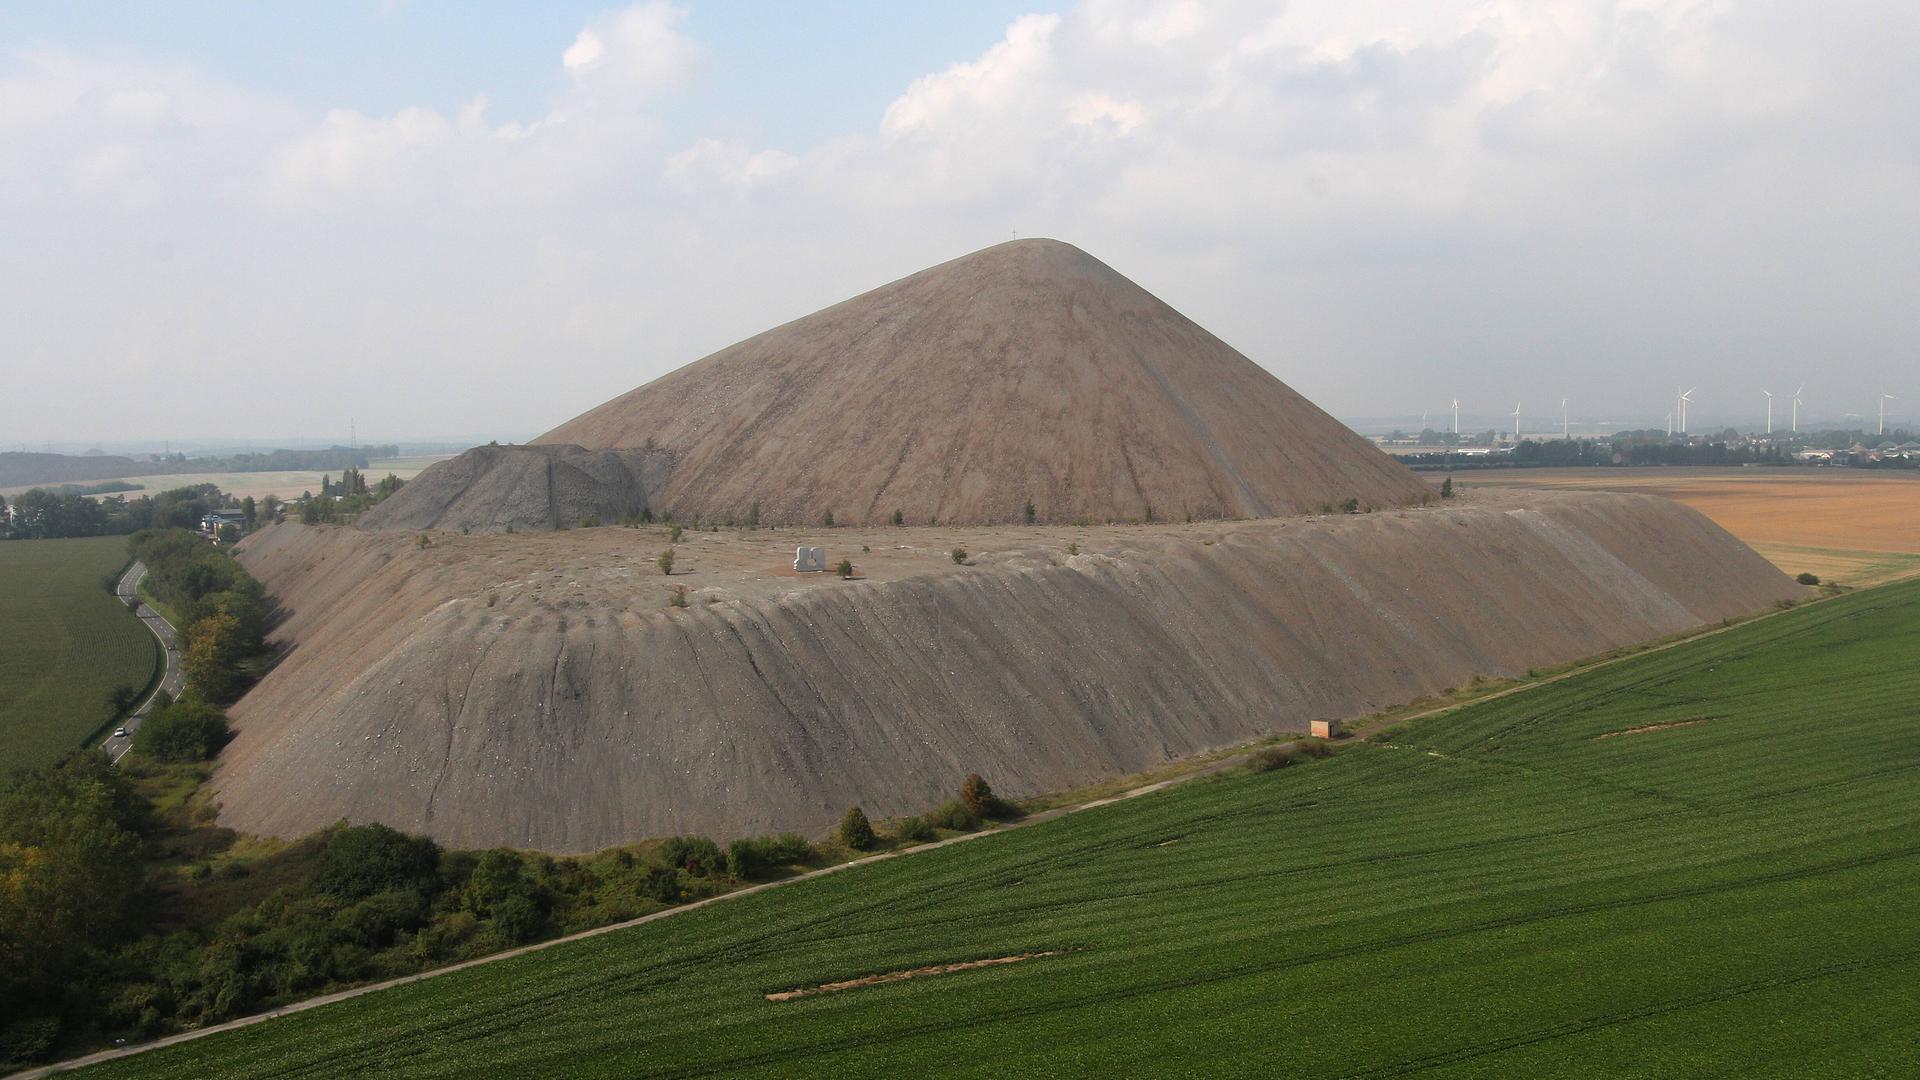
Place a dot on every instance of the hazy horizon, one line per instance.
(226, 223)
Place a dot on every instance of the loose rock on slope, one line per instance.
(538, 691)
(1029, 371)
(526, 489)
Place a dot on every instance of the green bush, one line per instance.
(183, 731)
(748, 859)
(915, 828)
(666, 559)
(374, 923)
(953, 814)
(694, 854)
(359, 861)
(845, 569)
(517, 920)
(27, 1040)
(1808, 579)
(976, 795)
(959, 555)
(856, 831)
(501, 891)
(660, 883)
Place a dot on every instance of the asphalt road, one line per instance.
(129, 588)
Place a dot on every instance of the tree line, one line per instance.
(125, 911)
(342, 502)
(222, 608)
(42, 514)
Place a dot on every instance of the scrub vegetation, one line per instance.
(1495, 890)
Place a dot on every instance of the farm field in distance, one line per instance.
(1697, 860)
(1853, 526)
(287, 485)
(65, 642)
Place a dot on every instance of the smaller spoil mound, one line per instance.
(526, 488)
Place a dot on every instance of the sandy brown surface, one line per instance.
(538, 691)
(1027, 371)
(1852, 526)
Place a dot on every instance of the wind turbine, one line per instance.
(1685, 400)
(1669, 423)
(1796, 408)
(1769, 394)
(1516, 423)
(1566, 432)
(1456, 416)
(1884, 398)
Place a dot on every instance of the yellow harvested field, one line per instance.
(287, 485)
(1850, 526)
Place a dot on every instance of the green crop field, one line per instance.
(1499, 891)
(65, 641)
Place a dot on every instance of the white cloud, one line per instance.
(1386, 203)
(732, 164)
(1106, 113)
(586, 53)
(633, 52)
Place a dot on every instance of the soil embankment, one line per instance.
(538, 691)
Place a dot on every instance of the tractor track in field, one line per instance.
(1574, 1028)
(1256, 967)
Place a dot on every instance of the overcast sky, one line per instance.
(436, 218)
